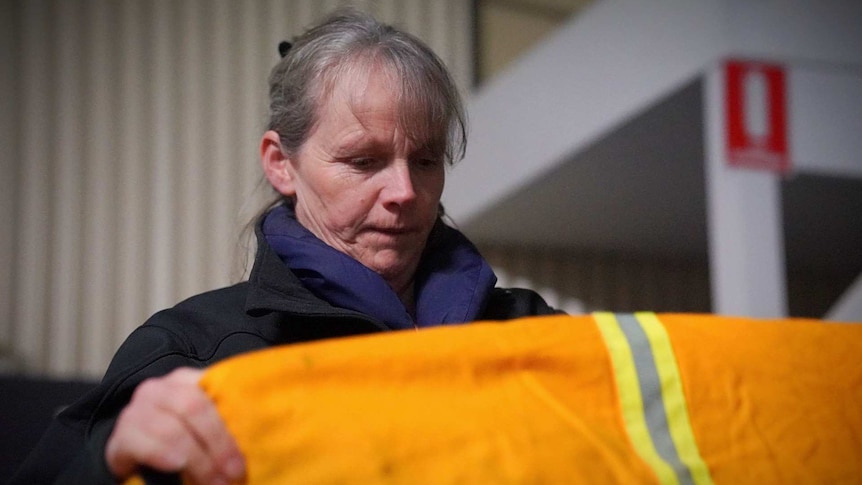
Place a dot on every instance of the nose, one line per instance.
(399, 187)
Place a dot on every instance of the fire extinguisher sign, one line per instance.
(756, 117)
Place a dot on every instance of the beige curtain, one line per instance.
(129, 132)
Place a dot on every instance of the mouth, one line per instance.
(394, 232)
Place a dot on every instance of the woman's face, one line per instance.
(362, 186)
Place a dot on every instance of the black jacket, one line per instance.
(271, 308)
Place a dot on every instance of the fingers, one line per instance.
(203, 417)
(171, 425)
(220, 453)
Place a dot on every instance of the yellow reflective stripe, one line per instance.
(631, 401)
(674, 398)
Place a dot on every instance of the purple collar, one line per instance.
(452, 282)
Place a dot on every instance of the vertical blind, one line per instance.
(129, 132)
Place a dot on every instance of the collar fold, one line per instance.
(452, 282)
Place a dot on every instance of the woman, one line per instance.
(363, 121)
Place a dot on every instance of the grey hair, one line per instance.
(346, 43)
(430, 106)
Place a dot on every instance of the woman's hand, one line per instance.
(170, 425)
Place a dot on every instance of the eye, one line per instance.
(362, 163)
(428, 163)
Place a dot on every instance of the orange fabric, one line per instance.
(773, 401)
(534, 401)
(525, 402)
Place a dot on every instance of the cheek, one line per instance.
(441, 182)
(429, 199)
(348, 208)
(433, 188)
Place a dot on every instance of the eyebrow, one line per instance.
(362, 141)
(352, 144)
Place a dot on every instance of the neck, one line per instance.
(408, 298)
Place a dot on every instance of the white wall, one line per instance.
(618, 57)
(610, 62)
(825, 108)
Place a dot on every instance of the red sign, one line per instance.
(756, 118)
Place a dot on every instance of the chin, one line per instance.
(393, 265)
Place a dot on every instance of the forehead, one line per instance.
(373, 89)
(363, 91)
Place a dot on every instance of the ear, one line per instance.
(276, 165)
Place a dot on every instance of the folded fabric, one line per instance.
(605, 398)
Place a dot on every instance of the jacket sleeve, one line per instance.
(72, 450)
(509, 303)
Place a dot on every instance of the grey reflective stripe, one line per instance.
(650, 387)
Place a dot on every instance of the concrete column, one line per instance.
(746, 242)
